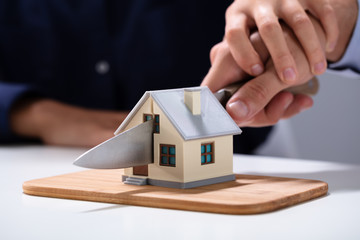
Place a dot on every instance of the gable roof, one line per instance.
(213, 120)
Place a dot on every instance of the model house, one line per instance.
(192, 139)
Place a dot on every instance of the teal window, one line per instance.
(148, 117)
(207, 153)
(167, 155)
(157, 124)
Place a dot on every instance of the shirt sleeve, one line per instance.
(9, 94)
(349, 64)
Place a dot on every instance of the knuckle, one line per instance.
(233, 33)
(283, 58)
(300, 21)
(223, 48)
(318, 54)
(328, 10)
(267, 25)
(259, 91)
(229, 12)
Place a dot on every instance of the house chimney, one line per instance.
(192, 99)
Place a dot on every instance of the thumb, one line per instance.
(254, 96)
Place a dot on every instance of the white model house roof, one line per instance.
(213, 120)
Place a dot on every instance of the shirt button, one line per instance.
(102, 67)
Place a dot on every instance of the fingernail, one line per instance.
(319, 68)
(239, 110)
(257, 69)
(289, 74)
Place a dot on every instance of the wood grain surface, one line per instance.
(248, 194)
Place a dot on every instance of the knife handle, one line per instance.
(309, 88)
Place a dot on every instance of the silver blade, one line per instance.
(128, 149)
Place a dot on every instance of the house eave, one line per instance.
(132, 113)
(213, 135)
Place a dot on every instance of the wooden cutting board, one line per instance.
(248, 194)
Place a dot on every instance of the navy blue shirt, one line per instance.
(105, 54)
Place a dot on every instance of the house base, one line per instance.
(193, 184)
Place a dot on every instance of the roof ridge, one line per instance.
(189, 126)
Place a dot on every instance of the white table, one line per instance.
(336, 216)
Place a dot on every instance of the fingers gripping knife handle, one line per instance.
(309, 88)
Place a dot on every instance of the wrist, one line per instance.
(347, 14)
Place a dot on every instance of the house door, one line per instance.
(140, 170)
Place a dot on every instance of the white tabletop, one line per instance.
(336, 216)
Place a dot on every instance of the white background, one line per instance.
(329, 130)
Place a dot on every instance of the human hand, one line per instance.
(56, 123)
(263, 93)
(267, 93)
(243, 16)
(259, 96)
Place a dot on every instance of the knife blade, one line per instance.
(131, 148)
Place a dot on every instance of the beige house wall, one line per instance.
(223, 159)
(138, 118)
(170, 136)
(188, 153)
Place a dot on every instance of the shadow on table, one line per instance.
(105, 208)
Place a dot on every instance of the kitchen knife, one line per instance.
(134, 147)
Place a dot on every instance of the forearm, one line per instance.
(56, 123)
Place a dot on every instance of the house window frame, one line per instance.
(168, 155)
(156, 123)
(206, 153)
